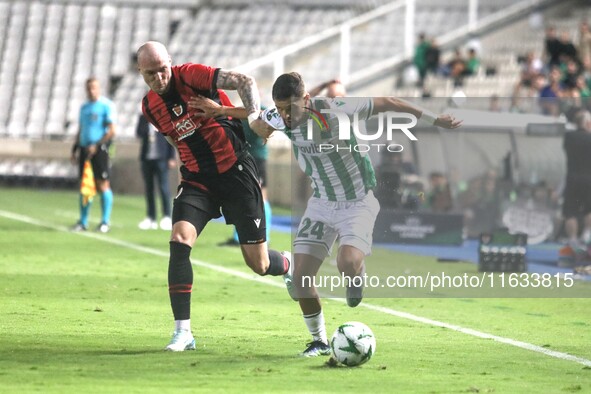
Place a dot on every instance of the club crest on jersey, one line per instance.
(178, 110)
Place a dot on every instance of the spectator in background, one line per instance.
(586, 71)
(584, 91)
(95, 134)
(528, 85)
(413, 194)
(439, 197)
(552, 48)
(480, 203)
(577, 193)
(432, 57)
(420, 59)
(570, 74)
(156, 157)
(529, 93)
(568, 50)
(456, 67)
(584, 44)
(391, 177)
(551, 93)
(472, 63)
(542, 196)
(572, 93)
(530, 69)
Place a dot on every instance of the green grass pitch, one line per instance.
(90, 314)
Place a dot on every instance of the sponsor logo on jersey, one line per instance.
(185, 128)
(311, 148)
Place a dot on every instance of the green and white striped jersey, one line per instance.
(339, 173)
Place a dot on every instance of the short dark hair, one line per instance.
(287, 86)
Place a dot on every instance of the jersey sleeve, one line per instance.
(110, 113)
(199, 76)
(272, 118)
(224, 99)
(352, 105)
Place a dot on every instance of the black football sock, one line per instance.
(180, 280)
(278, 264)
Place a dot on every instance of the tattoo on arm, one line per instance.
(244, 85)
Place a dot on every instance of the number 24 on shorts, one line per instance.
(309, 229)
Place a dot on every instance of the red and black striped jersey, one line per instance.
(206, 146)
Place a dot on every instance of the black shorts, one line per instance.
(235, 193)
(101, 163)
(577, 199)
(262, 168)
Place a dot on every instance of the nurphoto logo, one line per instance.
(388, 123)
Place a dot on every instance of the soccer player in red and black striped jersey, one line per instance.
(217, 171)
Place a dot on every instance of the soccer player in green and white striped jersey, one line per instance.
(337, 171)
(342, 179)
(343, 204)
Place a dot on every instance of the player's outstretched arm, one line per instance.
(247, 89)
(211, 109)
(383, 104)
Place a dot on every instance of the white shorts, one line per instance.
(324, 221)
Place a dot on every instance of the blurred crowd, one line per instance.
(481, 200)
(561, 78)
(427, 59)
(552, 82)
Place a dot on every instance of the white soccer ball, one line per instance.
(352, 344)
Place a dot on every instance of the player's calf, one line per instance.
(354, 292)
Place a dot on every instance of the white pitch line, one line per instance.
(268, 281)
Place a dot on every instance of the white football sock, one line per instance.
(316, 326)
(182, 325)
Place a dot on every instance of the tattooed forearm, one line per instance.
(245, 86)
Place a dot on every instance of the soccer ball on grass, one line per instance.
(352, 344)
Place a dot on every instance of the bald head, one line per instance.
(154, 64)
(151, 50)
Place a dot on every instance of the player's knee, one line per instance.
(349, 265)
(183, 232)
(259, 267)
(177, 237)
(182, 238)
